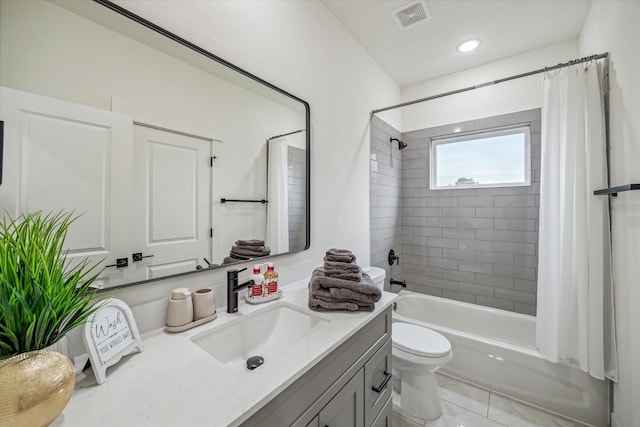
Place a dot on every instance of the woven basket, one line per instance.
(34, 388)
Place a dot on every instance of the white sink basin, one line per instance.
(268, 332)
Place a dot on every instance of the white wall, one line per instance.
(504, 98)
(613, 26)
(302, 48)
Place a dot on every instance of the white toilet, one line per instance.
(418, 352)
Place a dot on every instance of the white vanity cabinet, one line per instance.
(338, 391)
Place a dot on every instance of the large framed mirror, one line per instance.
(175, 160)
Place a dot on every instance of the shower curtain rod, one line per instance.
(285, 134)
(491, 83)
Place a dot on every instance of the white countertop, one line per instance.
(174, 382)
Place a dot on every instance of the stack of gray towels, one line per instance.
(245, 250)
(340, 285)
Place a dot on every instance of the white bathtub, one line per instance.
(496, 349)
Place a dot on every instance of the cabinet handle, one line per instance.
(383, 384)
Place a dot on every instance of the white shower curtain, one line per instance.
(277, 189)
(575, 322)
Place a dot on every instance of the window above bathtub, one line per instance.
(498, 157)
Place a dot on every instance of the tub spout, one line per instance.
(399, 282)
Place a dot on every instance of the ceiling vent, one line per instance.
(411, 14)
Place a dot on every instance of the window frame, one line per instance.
(522, 128)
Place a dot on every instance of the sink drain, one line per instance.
(254, 361)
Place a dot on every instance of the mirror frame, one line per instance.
(148, 24)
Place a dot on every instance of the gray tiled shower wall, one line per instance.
(474, 245)
(296, 170)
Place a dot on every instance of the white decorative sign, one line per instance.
(109, 334)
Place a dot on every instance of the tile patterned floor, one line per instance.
(465, 405)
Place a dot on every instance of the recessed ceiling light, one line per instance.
(469, 45)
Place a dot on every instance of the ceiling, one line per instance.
(428, 50)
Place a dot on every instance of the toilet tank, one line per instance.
(377, 275)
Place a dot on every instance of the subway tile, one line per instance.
(413, 182)
(476, 245)
(526, 285)
(421, 250)
(526, 261)
(439, 221)
(476, 223)
(495, 235)
(457, 233)
(476, 267)
(456, 192)
(422, 172)
(451, 285)
(494, 281)
(525, 236)
(422, 270)
(505, 270)
(483, 201)
(514, 224)
(475, 289)
(526, 213)
(502, 212)
(416, 279)
(527, 273)
(459, 276)
(527, 115)
(459, 212)
(516, 296)
(428, 290)
(428, 231)
(495, 191)
(427, 212)
(444, 263)
(414, 202)
(459, 254)
(505, 201)
(495, 303)
(419, 221)
(411, 163)
(459, 296)
(495, 258)
(415, 259)
(515, 248)
(415, 192)
(537, 126)
(525, 308)
(415, 240)
(422, 133)
(443, 243)
(442, 201)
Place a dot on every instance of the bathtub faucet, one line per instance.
(398, 282)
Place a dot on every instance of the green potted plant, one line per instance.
(42, 295)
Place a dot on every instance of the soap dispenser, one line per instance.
(180, 308)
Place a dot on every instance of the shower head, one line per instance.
(401, 145)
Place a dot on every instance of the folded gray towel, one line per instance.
(344, 275)
(252, 242)
(366, 286)
(340, 255)
(229, 260)
(250, 252)
(239, 257)
(344, 266)
(318, 304)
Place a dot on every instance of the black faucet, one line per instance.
(233, 287)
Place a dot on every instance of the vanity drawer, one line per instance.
(385, 415)
(377, 384)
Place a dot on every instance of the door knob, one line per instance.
(120, 262)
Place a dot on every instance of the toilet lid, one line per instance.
(419, 340)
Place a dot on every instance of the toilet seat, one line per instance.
(419, 341)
